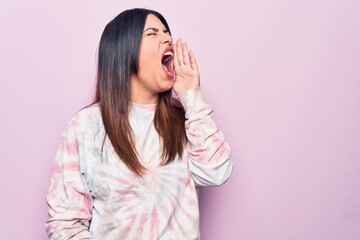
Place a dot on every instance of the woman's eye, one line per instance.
(151, 34)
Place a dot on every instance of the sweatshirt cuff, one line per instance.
(192, 100)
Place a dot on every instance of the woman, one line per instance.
(129, 165)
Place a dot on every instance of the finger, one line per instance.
(176, 62)
(185, 53)
(193, 60)
(179, 51)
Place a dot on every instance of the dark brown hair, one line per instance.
(118, 58)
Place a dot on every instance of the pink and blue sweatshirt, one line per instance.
(93, 195)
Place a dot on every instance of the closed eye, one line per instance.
(152, 31)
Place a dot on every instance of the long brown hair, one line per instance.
(118, 58)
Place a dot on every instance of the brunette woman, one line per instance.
(130, 164)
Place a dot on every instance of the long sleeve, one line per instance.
(209, 154)
(69, 201)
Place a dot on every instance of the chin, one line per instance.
(165, 86)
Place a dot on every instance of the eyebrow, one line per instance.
(155, 29)
(152, 28)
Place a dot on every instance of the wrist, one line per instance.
(192, 100)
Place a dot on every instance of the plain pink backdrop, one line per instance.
(282, 76)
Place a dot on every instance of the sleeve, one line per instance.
(69, 200)
(209, 154)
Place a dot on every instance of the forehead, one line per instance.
(153, 21)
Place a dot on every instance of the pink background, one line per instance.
(282, 76)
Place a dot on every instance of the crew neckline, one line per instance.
(149, 106)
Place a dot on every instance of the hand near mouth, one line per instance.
(186, 70)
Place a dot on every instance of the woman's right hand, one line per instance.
(187, 74)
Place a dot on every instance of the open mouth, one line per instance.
(168, 62)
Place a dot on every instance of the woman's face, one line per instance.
(156, 65)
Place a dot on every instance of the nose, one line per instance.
(167, 39)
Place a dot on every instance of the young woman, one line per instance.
(130, 164)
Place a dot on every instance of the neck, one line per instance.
(140, 95)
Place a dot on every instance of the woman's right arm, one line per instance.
(69, 200)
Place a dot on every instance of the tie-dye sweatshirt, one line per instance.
(93, 195)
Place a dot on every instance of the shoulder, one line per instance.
(86, 120)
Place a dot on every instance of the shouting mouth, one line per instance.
(167, 62)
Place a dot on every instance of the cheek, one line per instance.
(149, 51)
(148, 62)
(144, 66)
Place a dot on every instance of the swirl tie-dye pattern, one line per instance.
(93, 195)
